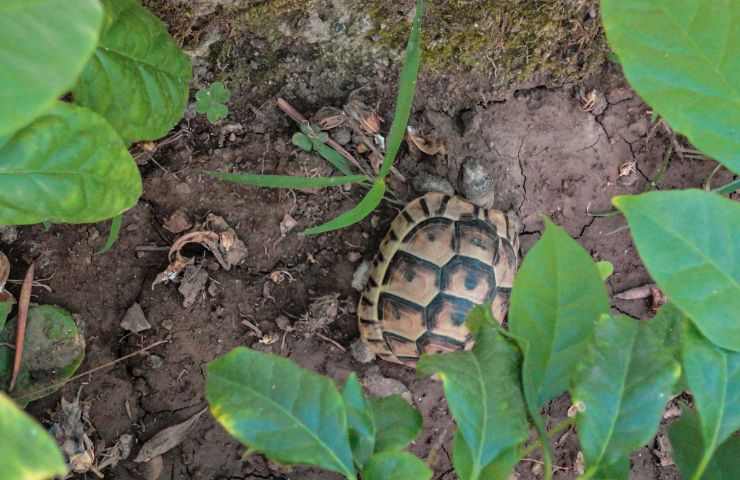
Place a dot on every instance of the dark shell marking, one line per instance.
(440, 258)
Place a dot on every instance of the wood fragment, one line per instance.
(23, 303)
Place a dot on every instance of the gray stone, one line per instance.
(476, 183)
(361, 352)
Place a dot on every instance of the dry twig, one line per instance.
(20, 337)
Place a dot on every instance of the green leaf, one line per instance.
(332, 156)
(138, 78)
(44, 45)
(68, 166)
(500, 468)
(396, 423)
(28, 450)
(688, 241)
(6, 306)
(286, 181)
(360, 420)
(605, 269)
(713, 375)
(396, 466)
(406, 91)
(357, 214)
(274, 407)
(115, 230)
(686, 440)
(621, 386)
(53, 351)
(483, 390)
(683, 59)
(557, 298)
(211, 101)
(302, 141)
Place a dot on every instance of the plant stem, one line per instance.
(565, 424)
(728, 188)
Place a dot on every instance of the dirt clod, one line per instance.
(134, 320)
(361, 352)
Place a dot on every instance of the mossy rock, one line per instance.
(53, 351)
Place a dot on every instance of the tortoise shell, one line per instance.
(441, 256)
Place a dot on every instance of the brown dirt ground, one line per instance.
(549, 155)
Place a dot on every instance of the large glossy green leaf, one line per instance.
(686, 440)
(621, 386)
(44, 45)
(68, 166)
(406, 91)
(689, 242)
(713, 375)
(28, 452)
(138, 77)
(667, 326)
(484, 393)
(368, 203)
(396, 423)
(683, 58)
(360, 420)
(557, 298)
(396, 466)
(276, 408)
(499, 468)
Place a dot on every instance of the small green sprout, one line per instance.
(212, 100)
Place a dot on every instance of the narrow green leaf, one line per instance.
(686, 440)
(332, 156)
(138, 78)
(682, 57)
(115, 230)
(728, 188)
(499, 468)
(483, 390)
(396, 466)
(67, 166)
(621, 386)
(406, 91)
(274, 407)
(302, 141)
(357, 214)
(286, 181)
(689, 243)
(396, 423)
(557, 298)
(360, 420)
(713, 375)
(29, 452)
(605, 269)
(44, 45)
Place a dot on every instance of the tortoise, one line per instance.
(441, 256)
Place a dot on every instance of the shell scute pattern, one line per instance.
(441, 257)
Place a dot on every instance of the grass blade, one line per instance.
(406, 90)
(332, 156)
(360, 211)
(115, 230)
(287, 181)
(728, 188)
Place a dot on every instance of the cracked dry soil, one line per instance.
(548, 154)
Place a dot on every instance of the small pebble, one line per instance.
(342, 135)
(476, 183)
(361, 352)
(354, 256)
(359, 278)
(283, 323)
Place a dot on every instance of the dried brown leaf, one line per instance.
(167, 439)
(430, 146)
